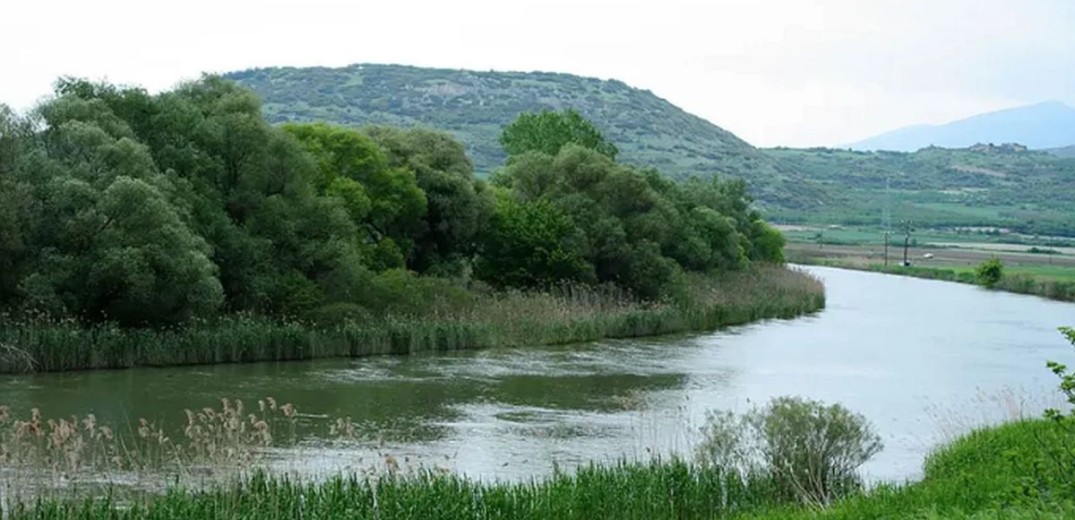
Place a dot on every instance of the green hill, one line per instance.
(980, 186)
(474, 106)
(988, 186)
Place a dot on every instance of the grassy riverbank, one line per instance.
(1056, 282)
(1010, 471)
(498, 319)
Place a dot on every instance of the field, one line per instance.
(1044, 259)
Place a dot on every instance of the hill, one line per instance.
(1066, 151)
(1044, 125)
(980, 186)
(474, 106)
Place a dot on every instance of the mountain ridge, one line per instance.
(1048, 124)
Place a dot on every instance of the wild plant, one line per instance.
(809, 451)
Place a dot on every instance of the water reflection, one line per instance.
(915, 356)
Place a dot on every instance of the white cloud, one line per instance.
(775, 72)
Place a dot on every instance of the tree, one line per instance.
(548, 132)
(531, 244)
(768, 243)
(384, 200)
(459, 205)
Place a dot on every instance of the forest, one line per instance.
(154, 210)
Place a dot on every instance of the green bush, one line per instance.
(810, 451)
(1063, 455)
(990, 272)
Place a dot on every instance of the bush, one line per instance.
(990, 272)
(809, 451)
(1063, 456)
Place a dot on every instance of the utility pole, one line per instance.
(886, 221)
(908, 227)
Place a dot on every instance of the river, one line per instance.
(922, 360)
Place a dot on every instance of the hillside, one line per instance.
(1066, 151)
(1043, 125)
(990, 186)
(474, 106)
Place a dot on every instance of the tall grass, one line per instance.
(651, 491)
(998, 472)
(500, 319)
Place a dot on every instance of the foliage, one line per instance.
(475, 106)
(133, 224)
(633, 227)
(808, 450)
(421, 314)
(459, 206)
(548, 132)
(971, 478)
(231, 435)
(971, 188)
(1063, 456)
(385, 202)
(990, 272)
(532, 244)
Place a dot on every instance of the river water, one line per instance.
(922, 360)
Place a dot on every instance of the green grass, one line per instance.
(504, 319)
(999, 472)
(1053, 282)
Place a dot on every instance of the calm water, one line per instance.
(922, 360)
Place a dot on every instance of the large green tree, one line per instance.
(549, 131)
(459, 205)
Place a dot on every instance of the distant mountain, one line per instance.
(1067, 151)
(1044, 125)
(474, 106)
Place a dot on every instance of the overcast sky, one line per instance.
(780, 72)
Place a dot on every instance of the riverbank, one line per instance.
(1039, 279)
(502, 319)
(968, 478)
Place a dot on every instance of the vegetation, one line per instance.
(808, 451)
(183, 228)
(1017, 470)
(982, 187)
(997, 472)
(476, 105)
(513, 318)
(1046, 287)
(990, 272)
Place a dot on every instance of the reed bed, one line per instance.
(231, 436)
(651, 491)
(566, 315)
(1005, 471)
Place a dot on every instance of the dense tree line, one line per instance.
(117, 205)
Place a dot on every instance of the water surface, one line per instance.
(922, 360)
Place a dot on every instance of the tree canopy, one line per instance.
(548, 132)
(151, 210)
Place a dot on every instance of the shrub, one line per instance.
(1064, 455)
(810, 451)
(990, 272)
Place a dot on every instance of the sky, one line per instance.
(775, 72)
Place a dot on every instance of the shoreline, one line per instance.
(1057, 290)
(963, 479)
(737, 298)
